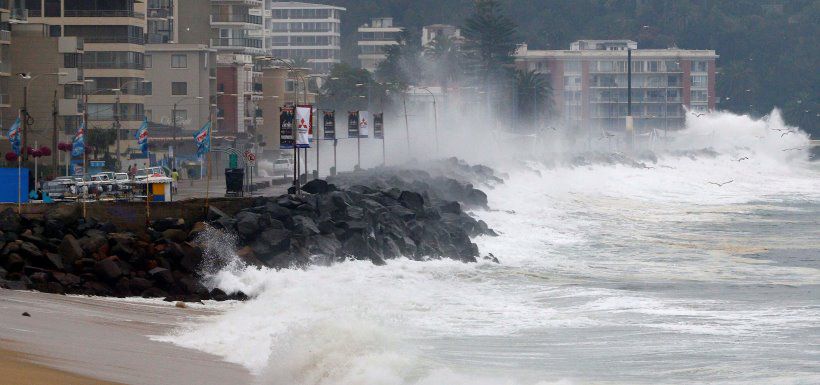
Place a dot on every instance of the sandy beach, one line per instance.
(83, 340)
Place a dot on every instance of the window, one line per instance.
(699, 81)
(179, 61)
(149, 114)
(182, 116)
(699, 66)
(652, 66)
(699, 96)
(148, 88)
(149, 61)
(179, 88)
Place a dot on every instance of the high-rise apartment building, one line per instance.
(307, 32)
(237, 35)
(180, 73)
(374, 39)
(52, 76)
(590, 81)
(113, 62)
(11, 12)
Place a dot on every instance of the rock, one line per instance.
(15, 263)
(54, 288)
(247, 255)
(175, 235)
(197, 229)
(247, 223)
(108, 269)
(411, 200)
(277, 240)
(180, 305)
(31, 250)
(168, 223)
(92, 242)
(139, 285)
(218, 295)
(3, 273)
(70, 250)
(304, 226)
(25, 314)
(191, 257)
(450, 207)
(97, 288)
(162, 275)
(55, 261)
(67, 214)
(67, 279)
(153, 292)
(316, 186)
(9, 221)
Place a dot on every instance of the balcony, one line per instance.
(238, 42)
(234, 18)
(140, 40)
(5, 37)
(103, 13)
(160, 13)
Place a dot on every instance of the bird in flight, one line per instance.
(793, 149)
(721, 184)
(697, 115)
(742, 159)
(786, 133)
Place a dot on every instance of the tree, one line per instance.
(403, 63)
(533, 94)
(490, 39)
(445, 60)
(348, 88)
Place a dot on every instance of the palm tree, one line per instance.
(533, 94)
(446, 59)
(490, 39)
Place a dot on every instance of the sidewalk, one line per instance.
(197, 189)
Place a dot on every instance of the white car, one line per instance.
(283, 167)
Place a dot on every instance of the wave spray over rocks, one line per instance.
(612, 267)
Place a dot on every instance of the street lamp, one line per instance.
(174, 127)
(24, 111)
(435, 115)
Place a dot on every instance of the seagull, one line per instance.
(697, 115)
(742, 159)
(721, 184)
(793, 149)
(786, 133)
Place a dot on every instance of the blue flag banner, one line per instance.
(14, 136)
(142, 136)
(203, 139)
(78, 144)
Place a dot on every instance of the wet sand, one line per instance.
(85, 340)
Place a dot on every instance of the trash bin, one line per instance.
(234, 182)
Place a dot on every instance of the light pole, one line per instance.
(435, 115)
(173, 162)
(117, 123)
(26, 120)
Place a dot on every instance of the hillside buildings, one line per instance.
(589, 83)
(374, 39)
(303, 33)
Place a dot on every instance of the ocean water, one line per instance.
(609, 274)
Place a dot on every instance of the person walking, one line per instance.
(175, 178)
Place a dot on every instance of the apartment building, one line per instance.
(113, 32)
(429, 33)
(304, 32)
(180, 74)
(237, 35)
(11, 13)
(590, 81)
(374, 39)
(50, 71)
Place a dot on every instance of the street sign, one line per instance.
(96, 163)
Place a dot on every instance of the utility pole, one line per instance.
(174, 130)
(630, 128)
(117, 126)
(54, 153)
(24, 114)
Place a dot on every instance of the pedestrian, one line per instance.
(175, 179)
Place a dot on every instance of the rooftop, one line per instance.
(301, 5)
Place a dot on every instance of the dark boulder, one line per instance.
(70, 250)
(247, 223)
(316, 186)
(411, 200)
(66, 214)
(108, 269)
(9, 221)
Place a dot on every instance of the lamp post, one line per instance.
(435, 116)
(26, 118)
(174, 128)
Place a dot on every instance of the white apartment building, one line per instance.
(304, 31)
(374, 38)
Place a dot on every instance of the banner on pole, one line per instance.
(364, 124)
(304, 128)
(286, 128)
(378, 125)
(353, 124)
(202, 138)
(329, 124)
(142, 136)
(78, 144)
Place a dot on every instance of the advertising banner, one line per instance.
(378, 125)
(364, 124)
(286, 128)
(353, 124)
(329, 124)
(304, 126)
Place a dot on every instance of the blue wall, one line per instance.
(8, 185)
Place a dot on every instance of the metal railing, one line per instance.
(5, 35)
(115, 39)
(236, 42)
(103, 13)
(231, 18)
